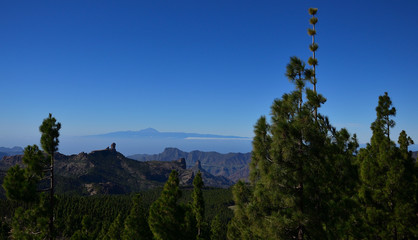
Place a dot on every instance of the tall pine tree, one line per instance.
(136, 225)
(388, 180)
(49, 142)
(198, 203)
(301, 170)
(22, 184)
(168, 219)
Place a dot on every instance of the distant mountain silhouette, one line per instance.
(10, 151)
(153, 133)
(231, 165)
(109, 172)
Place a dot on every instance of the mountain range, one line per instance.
(231, 165)
(4, 151)
(110, 172)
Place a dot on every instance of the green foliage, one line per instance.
(312, 61)
(50, 133)
(31, 223)
(89, 217)
(313, 47)
(198, 203)
(311, 32)
(312, 11)
(313, 20)
(261, 150)
(388, 180)
(167, 219)
(35, 162)
(136, 225)
(217, 229)
(4, 229)
(295, 71)
(302, 171)
(17, 186)
(19, 183)
(115, 229)
(87, 230)
(239, 226)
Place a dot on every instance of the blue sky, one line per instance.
(198, 66)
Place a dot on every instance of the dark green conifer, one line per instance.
(21, 184)
(301, 170)
(49, 142)
(216, 229)
(115, 229)
(388, 180)
(198, 204)
(165, 215)
(136, 225)
(31, 223)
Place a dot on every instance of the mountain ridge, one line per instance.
(110, 172)
(215, 163)
(4, 151)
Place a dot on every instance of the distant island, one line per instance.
(153, 133)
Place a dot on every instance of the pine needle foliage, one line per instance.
(301, 175)
(312, 11)
(198, 203)
(136, 225)
(168, 219)
(311, 32)
(302, 172)
(22, 184)
(388, 177)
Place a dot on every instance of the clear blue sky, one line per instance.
(198, 66)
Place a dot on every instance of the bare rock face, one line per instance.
(186, 177)
(215, 163)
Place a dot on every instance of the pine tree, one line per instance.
(115, 229)
(136, 225)
(216, 229)
(49, 142)
(198, 204)
(165, 215)
(240, 225)
(86, 231)
(301, 170)
(22, 184)
(388, 180)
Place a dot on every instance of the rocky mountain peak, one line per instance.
(198, 165)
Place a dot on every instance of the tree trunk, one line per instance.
(51, 201)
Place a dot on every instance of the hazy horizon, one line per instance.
(153, 145)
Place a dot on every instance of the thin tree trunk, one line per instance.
(314, 73)
(51, 201)
(300, 227)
